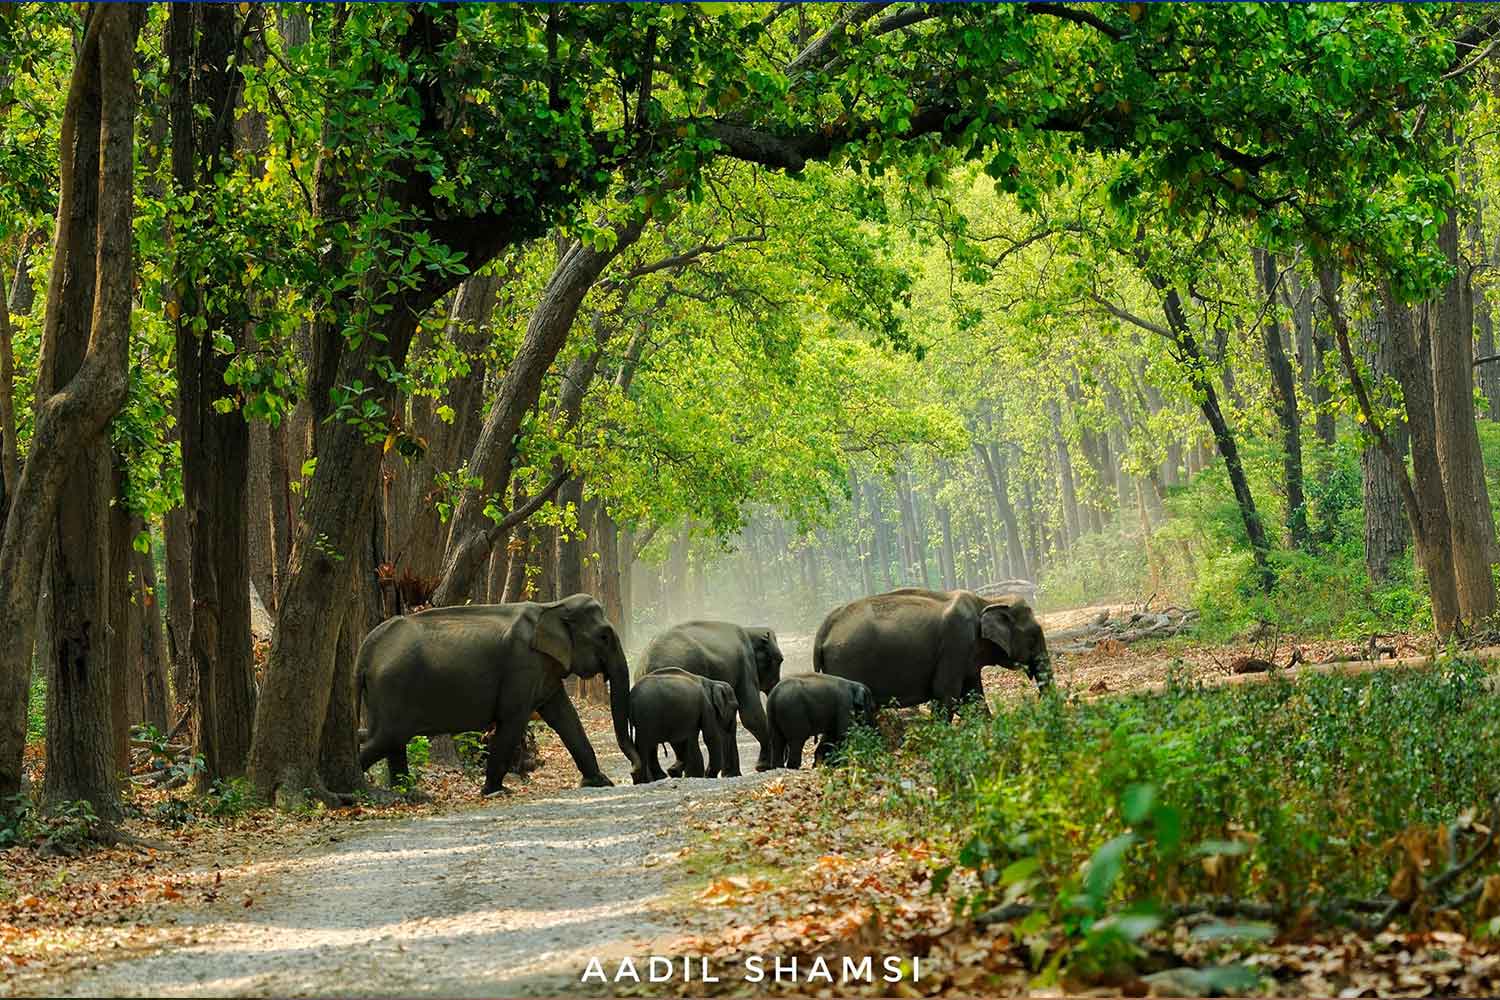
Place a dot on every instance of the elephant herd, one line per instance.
(491, 667)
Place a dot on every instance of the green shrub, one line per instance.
(1288, 791)
(63, 828)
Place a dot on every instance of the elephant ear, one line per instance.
(997, 624)
(552, 636)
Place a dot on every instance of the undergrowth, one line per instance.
(1200, 555)
(1090, 824)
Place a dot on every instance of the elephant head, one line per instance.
(577, 634)
(862, 700)
(1008, 624)
(767, 657)
(725, 704)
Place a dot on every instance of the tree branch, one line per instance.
(1132, 318)
(528, 508)
(1487, 359)
(1076, 16)
(681, 260)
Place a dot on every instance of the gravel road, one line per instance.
(508, 900)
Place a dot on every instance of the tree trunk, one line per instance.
(88, 301)
(993, 465)
(215, 446)
(419, 545)
(1471, 523)
(1198, 376)
(1312, 345)
(1386, 533)
(146, 626)
(1072, 528)
(1422, 495)
(180, 618)
(469, 536)
(1284, 386)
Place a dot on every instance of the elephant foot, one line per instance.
(596, 781)
(675, 770)
(497, 792)
(764, 765)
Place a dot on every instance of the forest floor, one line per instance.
(462, 896)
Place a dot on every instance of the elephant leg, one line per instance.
(653, 763)
(675, 770)
(559, 713)
(510, 731)
(794, 752)
(715, 743)
(731, 753)
(373, 750)
(778, 746)
(690, 756)
(753, 715)
(396, 760)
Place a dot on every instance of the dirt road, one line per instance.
(510, 899)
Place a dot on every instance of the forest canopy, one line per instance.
(332, 311)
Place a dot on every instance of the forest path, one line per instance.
(508, 899)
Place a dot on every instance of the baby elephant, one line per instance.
(814, 705)
(674, 706)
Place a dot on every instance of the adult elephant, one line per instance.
(464, 669)
(912, 646)
(747, 659)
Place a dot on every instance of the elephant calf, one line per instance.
(674, 706)
(814, 705)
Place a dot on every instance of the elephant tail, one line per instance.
(818, 640)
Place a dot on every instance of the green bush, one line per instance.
(1107, 812)
(63, 828)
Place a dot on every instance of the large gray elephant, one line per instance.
(815, 705)
(912, 646)
(674, 706)
(747, 659)
(463, 669)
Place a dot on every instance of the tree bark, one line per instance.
(215, 446)
(1425, 503)
(1284, 384)
(1471, 523)
(1071, 524)
(92, 266)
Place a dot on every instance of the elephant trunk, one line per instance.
(1040, 670)
(618, 676)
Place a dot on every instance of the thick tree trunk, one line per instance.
(1422, 494)
(1471, 523)
(469, 536)
(1284, 386)
(215, 446)
(92, 266)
